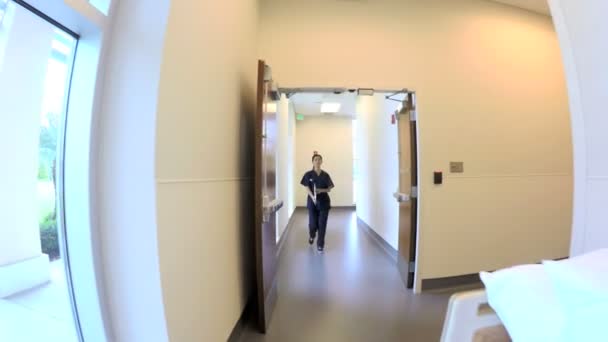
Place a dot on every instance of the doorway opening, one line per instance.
(368, 140)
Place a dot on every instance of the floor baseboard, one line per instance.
(386, 247)
(450, 283)
(461, 282)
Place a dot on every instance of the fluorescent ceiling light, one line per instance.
(330, 107)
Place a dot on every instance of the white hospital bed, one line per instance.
(469, 318)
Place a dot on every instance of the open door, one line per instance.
(266, 202)
(407, 194)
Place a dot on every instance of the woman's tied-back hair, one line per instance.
(316, 154)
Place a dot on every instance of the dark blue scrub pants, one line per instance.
(317, 222)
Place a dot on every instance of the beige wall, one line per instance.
(582, 30)
(123, 184)
(204, 151)
(332, 137)
(491, 93)
(378, 164)
(286, 121)
(293, 184)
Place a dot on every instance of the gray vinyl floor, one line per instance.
(352, 292)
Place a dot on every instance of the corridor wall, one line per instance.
(176, 168)
(286, 122)
(491, 93)
(332, 137)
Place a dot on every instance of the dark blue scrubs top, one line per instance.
(322, 181)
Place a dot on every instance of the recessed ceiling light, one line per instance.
(330, 107)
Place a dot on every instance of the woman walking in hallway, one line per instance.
(318, 183)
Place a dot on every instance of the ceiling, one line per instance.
(538, 6)
(309, 104)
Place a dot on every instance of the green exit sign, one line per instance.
(300, 117)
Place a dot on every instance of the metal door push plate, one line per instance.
(401, 197)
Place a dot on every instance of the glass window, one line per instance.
(35, 67)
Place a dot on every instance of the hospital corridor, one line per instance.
(303, 171)
(352, 292)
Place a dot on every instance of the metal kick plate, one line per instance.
(457, 167)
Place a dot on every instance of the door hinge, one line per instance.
(412, 267)
(413, 115)
(414, 193)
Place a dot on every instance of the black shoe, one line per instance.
(320, 249)
(311, 241)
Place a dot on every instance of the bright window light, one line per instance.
(330, 107)
(102, 5)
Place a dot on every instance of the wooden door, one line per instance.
(407, 194)
(266, 202)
